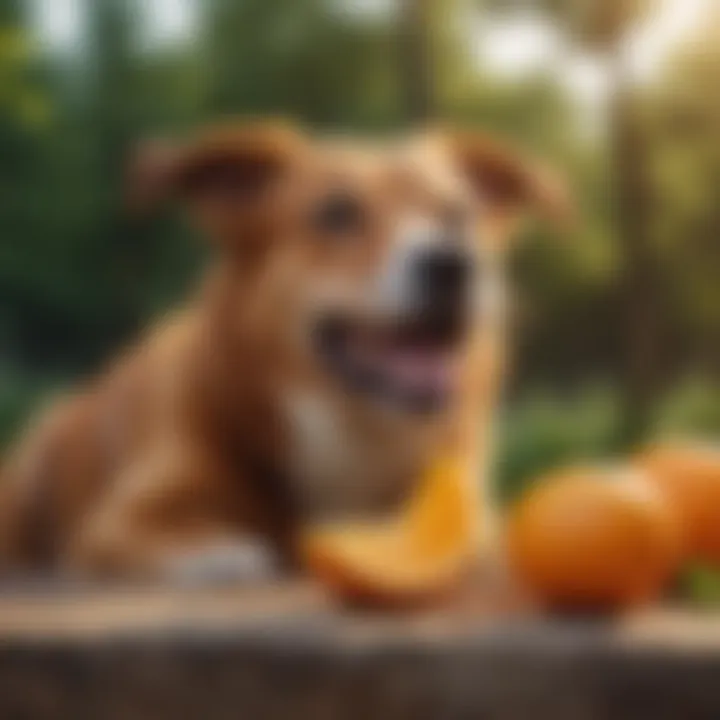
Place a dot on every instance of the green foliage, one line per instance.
(700, 584)
(543, 432)
(682, 115)
(307, 60)
(20, 97)
(20, 394)
(693, 409)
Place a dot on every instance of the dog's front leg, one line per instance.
(168, 518)
(224, 559)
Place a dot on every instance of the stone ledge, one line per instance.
(286, 652)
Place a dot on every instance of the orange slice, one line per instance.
(412, 557)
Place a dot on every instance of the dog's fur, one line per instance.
(221, 433)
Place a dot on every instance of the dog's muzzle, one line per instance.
(405, 349)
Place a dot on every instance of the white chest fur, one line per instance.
(342, 467)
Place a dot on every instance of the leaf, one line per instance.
(700, 583)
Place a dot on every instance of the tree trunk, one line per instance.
(638, 287)
(416, 59)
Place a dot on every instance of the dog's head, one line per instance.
(371, 264)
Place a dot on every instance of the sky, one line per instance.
(509, 48)
(526, 42)
(519, 44)
(60, 22)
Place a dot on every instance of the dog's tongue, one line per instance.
(412, 368)
(419, 370)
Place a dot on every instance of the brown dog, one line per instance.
(348, 331)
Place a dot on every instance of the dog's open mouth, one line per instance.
(411, 364)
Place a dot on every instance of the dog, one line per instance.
(348, 329)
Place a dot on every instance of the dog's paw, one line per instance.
(230, 562)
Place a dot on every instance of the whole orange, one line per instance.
(689, 474)
(593, 538)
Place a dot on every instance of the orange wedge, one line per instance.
(413, 557)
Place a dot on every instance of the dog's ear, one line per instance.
(237, 159)
(227, 176)
(224, 175)
(510, 184)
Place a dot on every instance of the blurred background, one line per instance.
(617, 328)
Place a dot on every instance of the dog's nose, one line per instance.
(444, 273)
(445, 269)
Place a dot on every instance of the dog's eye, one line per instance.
(339, 213)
